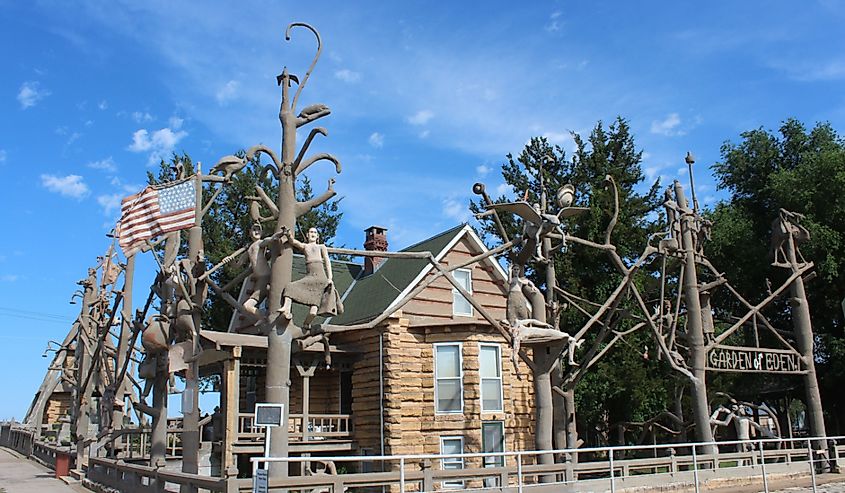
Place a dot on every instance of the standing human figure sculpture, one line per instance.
(738, 414)
(316, 289)
(259, 279)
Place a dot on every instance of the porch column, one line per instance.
(231, 397)
(306, 373)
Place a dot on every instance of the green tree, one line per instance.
(802, 171)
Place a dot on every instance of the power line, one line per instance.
(31, 315)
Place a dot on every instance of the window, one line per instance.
(493, 441)
(460, 305)
(490, 368)
(449, 446)
(448, 378)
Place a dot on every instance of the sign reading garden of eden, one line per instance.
(746, 359)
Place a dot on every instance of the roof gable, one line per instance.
(369, 296)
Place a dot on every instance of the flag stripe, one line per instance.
(142, 218)
(183, 218)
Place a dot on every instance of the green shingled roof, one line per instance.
(369, 296)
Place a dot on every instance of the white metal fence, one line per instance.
(585, 469)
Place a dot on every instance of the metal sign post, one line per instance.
(268, 415)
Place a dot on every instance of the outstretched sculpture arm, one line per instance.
(299, 167)
(312, 113)
(302, 208)
(313, 62)
(267, 201)
(302, 150)
(612, 223)
(255, 150)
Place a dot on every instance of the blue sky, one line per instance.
(427, 98)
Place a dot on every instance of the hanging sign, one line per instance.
(752, 359)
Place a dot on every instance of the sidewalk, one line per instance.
(826, 483)
(19, 475)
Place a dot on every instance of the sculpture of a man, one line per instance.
(260, 278)
(316, 289)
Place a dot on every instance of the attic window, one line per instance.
(460, 305)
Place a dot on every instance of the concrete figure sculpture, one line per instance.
(738, 415)
(316, 290)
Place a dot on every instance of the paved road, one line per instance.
(25, 476)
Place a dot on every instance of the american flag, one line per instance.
(158, 209)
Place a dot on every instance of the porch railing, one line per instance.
(319, 427)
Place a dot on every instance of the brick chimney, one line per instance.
(376, 240)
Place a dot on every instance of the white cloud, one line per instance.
(2, 156)
(376, 140)
(554, 23)
(228, 92)
(31, 93)
(668, 126)
(175, 122)
(421, 117)
(9, 277)
(106, 164)
(454, 209)
(558, 138)
(503, 189)
(347, 75)
(424, 134)
(482, 170)
(109, 203)
(129, 188)
(69, 186)
(103, 105)
(142, 117)
(159, 144)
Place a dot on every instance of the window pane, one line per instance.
(489, 362)
(449, 394)
(460, 305)
(448, 361)
(451, 446)
(492, 441)
(463, 278)
(491, 389)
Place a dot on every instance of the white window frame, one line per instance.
(493, 482)
(460, 376)
(458, 483)
(456, 295)
(481, 379)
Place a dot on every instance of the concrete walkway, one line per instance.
(825, 483)
(19, 475)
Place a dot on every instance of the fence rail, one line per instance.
(320, 427)
(135, 478)
(582, 470)
(586, 469)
